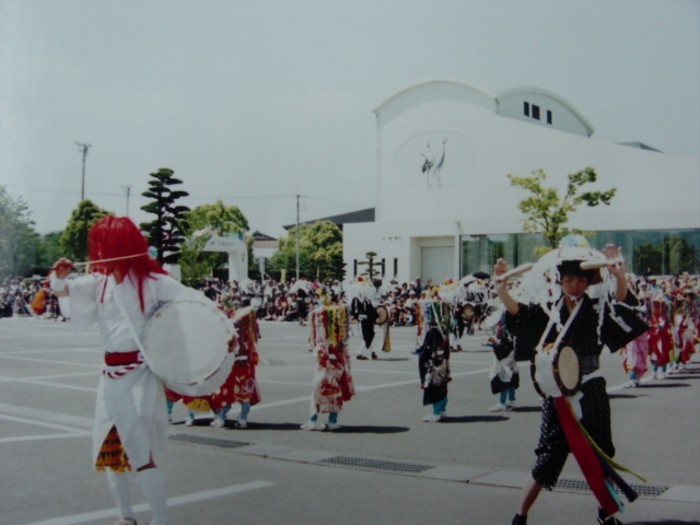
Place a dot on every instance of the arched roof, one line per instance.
(431, 91)
(547, 94)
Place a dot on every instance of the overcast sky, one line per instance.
(256, 101)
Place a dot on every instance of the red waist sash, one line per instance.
(121, 358)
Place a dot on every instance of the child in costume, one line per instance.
(241, 385)
(332, 382)
(434, 372)
(558, 306)
(634, 359)
(504, 376)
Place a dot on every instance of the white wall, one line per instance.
(471, 193)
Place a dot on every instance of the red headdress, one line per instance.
(119, 239)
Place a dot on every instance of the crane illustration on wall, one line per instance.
(431, 165)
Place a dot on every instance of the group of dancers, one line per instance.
(574, 297)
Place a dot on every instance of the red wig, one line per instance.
(118, 238)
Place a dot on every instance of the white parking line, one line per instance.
(48, 361)
(40, 423)
(172, 502)
(43, 437)
(58, 385)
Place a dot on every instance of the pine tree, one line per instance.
(165, 232)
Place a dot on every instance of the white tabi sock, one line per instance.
(153, 485)
(119, 485)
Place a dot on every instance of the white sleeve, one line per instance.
(170, 289)
(82, 300)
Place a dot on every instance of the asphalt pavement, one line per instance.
(384, 465)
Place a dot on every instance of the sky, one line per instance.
(256, 102)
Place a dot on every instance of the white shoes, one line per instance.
(189, 421)
(309, 425)
(240, 423)
(331, 426)
(498, 407)
(218, 422)
(432, 418)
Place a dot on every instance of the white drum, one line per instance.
(185, 343)
(560, 373)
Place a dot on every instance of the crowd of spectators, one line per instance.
(28, 297)
(289, 301)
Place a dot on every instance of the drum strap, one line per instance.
(562, 332)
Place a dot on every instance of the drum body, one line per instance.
(382, 315)
(558, 373)
(185, 344)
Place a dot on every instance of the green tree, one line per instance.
(547, 213)
(48, 251)
(165, 231)
(73, 240)
(18, 239)
(198, 226)
(673, 255)
(320, 251)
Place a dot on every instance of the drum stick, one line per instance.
(514, 272)
(85, 263)
(593, 265)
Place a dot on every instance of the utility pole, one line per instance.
(83, 148)
(297, 238)
(127, 190)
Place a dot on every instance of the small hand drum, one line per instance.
(468, 312)
(556, 374)
(382, 315)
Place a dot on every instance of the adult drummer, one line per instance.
(130, 412)
(528, 322)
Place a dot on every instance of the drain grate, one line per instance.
(213, 442)
(576, 485)
(376, 464)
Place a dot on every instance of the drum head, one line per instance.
(186, 342)
(567, 370)
(468, 312)
(382, 315)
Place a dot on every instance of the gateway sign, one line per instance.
(237, 255)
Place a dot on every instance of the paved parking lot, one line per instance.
(383, 466)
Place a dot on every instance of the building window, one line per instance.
(549, 117)
(535, 112)
(526, 109)
(651, 252)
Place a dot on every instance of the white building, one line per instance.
(445, 207)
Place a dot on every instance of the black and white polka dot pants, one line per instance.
(552, 449)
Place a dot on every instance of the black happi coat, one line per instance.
(434, 366)
(621, 323)
(364, 311)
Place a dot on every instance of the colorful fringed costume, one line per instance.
(241, 385)
(332, 383)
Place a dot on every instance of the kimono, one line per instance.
(434, 366)
(332, 383)
(241, 385)
(597, 324)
